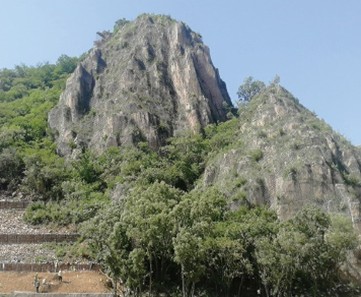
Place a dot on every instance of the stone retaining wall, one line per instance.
(21, 294)
(48, 267)
(36, 238)
(9, 204)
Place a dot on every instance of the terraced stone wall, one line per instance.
(20, 294)
(36, 238)
(8, 204)
(48, 267)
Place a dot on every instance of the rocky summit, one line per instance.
(285, 157)
(147, 81)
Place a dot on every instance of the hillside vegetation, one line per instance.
(27, 152)
(144, 216)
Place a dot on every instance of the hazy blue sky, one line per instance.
(313, 45)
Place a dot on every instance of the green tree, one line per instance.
(86, 168)
(341, 237)
(305, 255)
(110, 245)
(228, 259)
(185, 156)
(66, 64)
(12, 167)
(329, 238)
(190, 254)
(147, 215)
(279, 259)
(249, 89)
(43, 175)
(195, 217)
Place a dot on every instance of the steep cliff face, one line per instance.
(145, 82)
(285, 157)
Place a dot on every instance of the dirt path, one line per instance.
(73, 282)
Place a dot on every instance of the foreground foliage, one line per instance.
(158, 239)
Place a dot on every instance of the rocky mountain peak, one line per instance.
(146, 81)
(286, 157)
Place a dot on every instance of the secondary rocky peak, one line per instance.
(146, 81)
(286, 157)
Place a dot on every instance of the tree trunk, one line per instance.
(192, 289)
(183, 282)
(156, 268)
(115, 286)
(228, 288)
(266, 289)
(162, 268)
(150, 275)
(240, 287)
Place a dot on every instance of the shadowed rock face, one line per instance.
(147, 81)
(285, 157)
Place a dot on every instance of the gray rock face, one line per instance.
(285, 157)
(147, 81)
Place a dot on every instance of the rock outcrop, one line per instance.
(146, 81)
(285, 157)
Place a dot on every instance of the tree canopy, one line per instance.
(249, 89)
